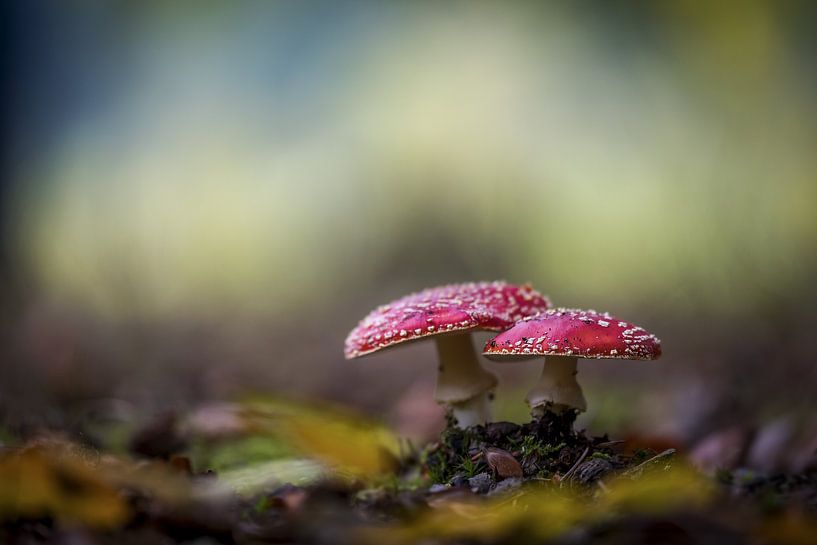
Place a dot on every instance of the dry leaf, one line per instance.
(503, 463)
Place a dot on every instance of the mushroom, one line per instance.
(449, 314)
(562, 336)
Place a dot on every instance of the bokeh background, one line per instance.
(201, 199)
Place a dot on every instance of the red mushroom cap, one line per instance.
(574, 332)
(454, 308)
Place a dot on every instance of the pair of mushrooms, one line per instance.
(529, 328)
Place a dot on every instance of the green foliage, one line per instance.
(437, 469)
(240, 452)
(252, 479)
(531, 446)
(544, 474)
(470, 467)
(410, 484)
(263, 504)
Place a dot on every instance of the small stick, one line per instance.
(608, 444)
(572, 469)
(642, 465)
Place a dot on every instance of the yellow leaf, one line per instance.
(536, 513)
(41, 482)
(268, 475)
(658, 490)
(542, 512)
(349, 444)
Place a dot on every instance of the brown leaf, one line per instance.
(181, 464)
(158, 438)
(503, 463)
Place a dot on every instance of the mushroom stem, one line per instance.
(462, 383)
(473, 412)
(557, 389)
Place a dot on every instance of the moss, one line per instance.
(601, 455)
(538, 445)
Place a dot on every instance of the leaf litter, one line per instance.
(340, 478)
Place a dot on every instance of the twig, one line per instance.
(608, 444)
(572, 469)
(642, 465)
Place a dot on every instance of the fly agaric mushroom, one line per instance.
(562, 336)
(449, 314)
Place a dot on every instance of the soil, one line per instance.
(547, 448)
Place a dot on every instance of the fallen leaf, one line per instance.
(503, 463)
(38, 482)
(348, 443)
(258, 477)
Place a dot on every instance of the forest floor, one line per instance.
(540, 482)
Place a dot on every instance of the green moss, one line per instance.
(601, 455)
(532, 446)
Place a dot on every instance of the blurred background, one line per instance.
(199, 201)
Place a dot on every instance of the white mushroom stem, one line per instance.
(462, 383)
(474, 411)
(557, 389)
